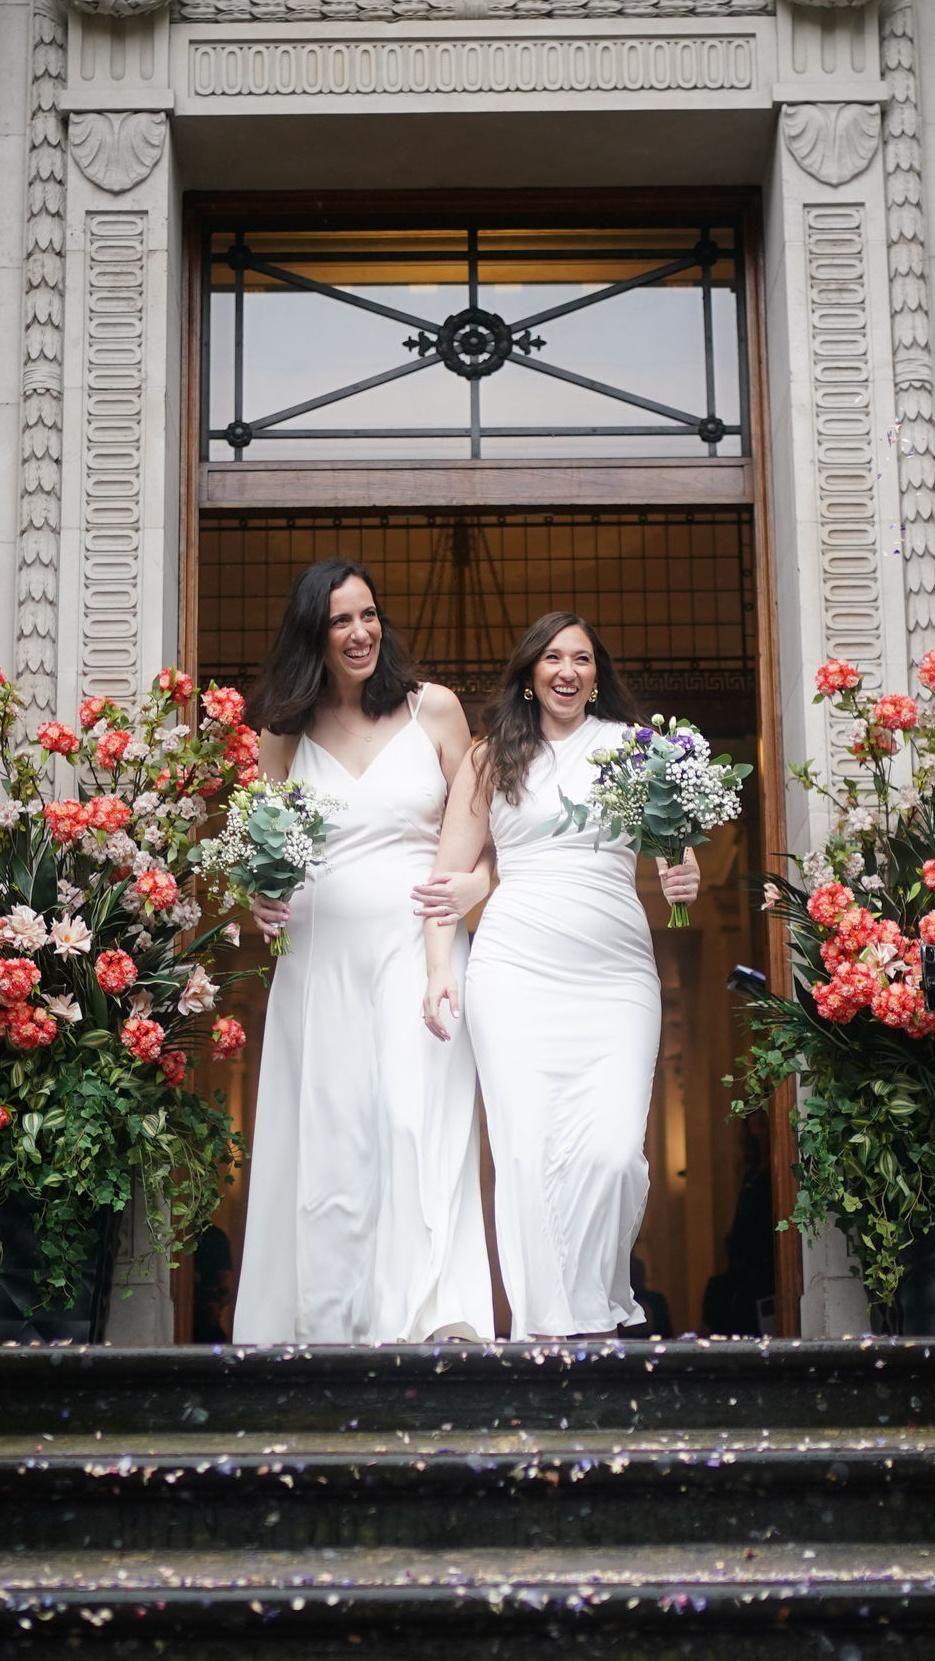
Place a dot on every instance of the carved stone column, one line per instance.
(909, 306)
(41, 425)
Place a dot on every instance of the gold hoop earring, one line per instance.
(592, 698)
(528, 694)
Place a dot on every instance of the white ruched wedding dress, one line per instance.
(563, 1008)
(364, 1222)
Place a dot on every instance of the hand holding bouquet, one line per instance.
(274, 832)
(662, 792)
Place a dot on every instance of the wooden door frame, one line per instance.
(287, 486)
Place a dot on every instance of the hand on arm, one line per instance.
(463, 839)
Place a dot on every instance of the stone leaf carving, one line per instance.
(117, 8)
(116, 151)
(833, 5)
(832, 142)
(408, 11)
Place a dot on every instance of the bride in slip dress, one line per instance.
(364, 1221)
(562, 998)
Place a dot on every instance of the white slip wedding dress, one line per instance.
(563, 1008)
(364, 1222)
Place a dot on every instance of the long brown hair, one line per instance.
(512, 724)
(294, 675)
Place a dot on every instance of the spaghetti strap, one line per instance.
(414, 708)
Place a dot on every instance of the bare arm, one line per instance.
(277, 753)
(465, 835)
(452, 889)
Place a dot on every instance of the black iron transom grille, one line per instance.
(671, 593)
(469, 304)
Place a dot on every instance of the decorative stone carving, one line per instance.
(112, 477)
(338, 68)
(833, 5)
(117, 150)
(832, 142)
(389, 11)
(835, 247)
(41, 422)
(909, 308)
(117, 8)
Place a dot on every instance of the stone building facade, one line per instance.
(114, 111)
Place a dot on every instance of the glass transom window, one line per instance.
(451, 344)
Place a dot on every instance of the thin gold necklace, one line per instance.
(368, 738)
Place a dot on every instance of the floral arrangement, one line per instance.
(274, 832)
(105, 997)
(857, 1032)
(660, 790)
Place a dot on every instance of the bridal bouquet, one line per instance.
(274, 832)
(107, 989)
(662, 792)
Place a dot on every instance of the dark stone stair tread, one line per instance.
(356, 1446)
(562, 1572)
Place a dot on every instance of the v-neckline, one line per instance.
(357, 777)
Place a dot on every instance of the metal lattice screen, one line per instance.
(670, 592)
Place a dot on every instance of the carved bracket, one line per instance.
(832, 142)
(117, 150)
(117, 8)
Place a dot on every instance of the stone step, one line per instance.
(716, 1602)
(435, 1497)
(630, 1387)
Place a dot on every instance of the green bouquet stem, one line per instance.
(280, 945)
(678, 917)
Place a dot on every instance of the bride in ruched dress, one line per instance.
(562, 997)
(364, 1221)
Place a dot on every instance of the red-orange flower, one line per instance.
(828, 904)
(115, 971)
(6, 1117)
(227, 1038)
(30, 1027)
(895, 712)
(143, 1038)
(66, 821)
(856, 930)
(59, 740)
(927, 929)
(18, 978)
(224, 703)
(111, 747)
(158, 888)
(178, 685)
(242, 747)
(833, 1003)
(173, 1065)
(928, 873)
(927, 671)
(108, 813)
(91, 711)
(895, 1004)
(836, 676)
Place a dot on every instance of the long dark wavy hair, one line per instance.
(512, 727)
(294, 675)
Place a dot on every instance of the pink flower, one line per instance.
(928, 873)
(30, 1027)
(895, 712)
(173, 1065)
(24, 929)
(71, 936)
(836, 676)
(896, 1004)
(227, 1038)
(91, 711)
(63, 1006)
(198, 993)
(66, 821)
(144, 1039)
(115, 971)
(927, 929)
(771, 896)
(108, 813)
(18, 978)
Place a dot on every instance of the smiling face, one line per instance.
(563, 679)
(354, 634)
